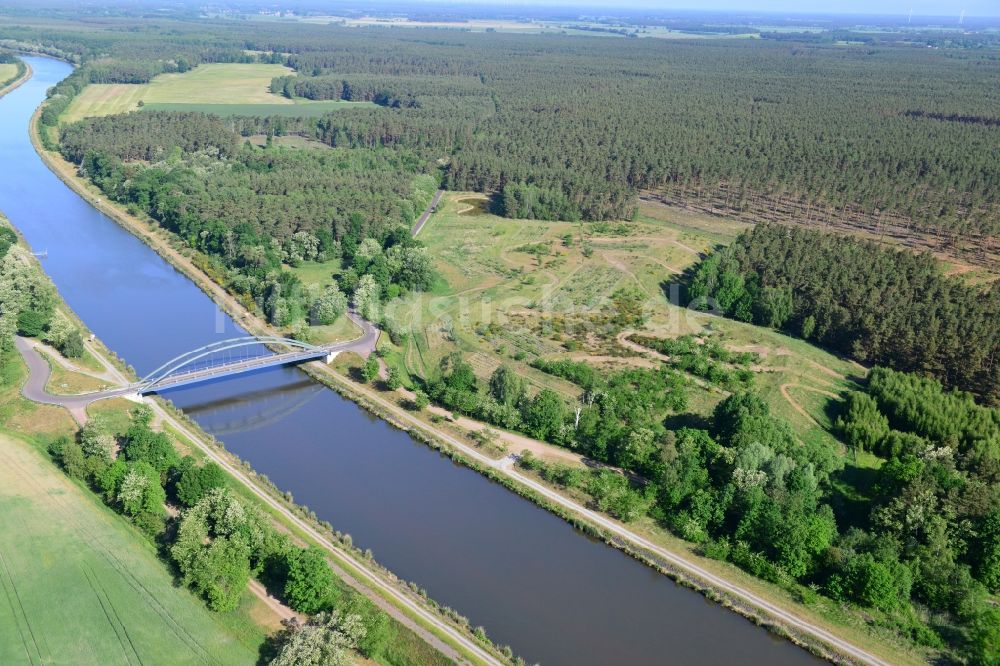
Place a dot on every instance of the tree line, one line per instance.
(917, 543)
(920, 547)
(933, 518)
(255, 212)
(28, 301)
(218, 541)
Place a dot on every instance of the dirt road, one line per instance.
(418, 227)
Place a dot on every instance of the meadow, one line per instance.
(222, 83)
(513, 290)
(223, 89)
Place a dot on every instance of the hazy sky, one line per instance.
(901, 7)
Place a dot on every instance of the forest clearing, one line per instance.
(225, 89)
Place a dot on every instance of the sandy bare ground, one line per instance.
(622, 339)
(281, 611)
(512, 441)
(634, 361)
(516, 443)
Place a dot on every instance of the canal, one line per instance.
(534, 582)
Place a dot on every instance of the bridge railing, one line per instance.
(171, 367)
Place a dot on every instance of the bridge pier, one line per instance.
(329, 357)
(134, 397)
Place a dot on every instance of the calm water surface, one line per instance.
(535, 583)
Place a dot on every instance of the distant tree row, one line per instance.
(384, 92)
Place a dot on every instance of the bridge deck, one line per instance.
(235, 368)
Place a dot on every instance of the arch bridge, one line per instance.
(225, 358)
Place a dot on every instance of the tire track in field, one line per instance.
(799, 408)
(24, 615)
(6, 583)
(130, 579)
(116, 624)
(795, 405)
(114, 611)
(154, 604)
(118, 565)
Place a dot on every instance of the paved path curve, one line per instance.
(39, 371)
(38, 377)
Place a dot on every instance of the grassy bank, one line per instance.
(12, 75)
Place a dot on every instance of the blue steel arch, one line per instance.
(171, 367)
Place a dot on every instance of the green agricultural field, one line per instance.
(104, 99)
(7, 71)
(81, 586)
(222, 89)
(226, 83)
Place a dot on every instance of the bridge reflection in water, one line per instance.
(257, 409)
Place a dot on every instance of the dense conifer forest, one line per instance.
(876, 305)
(565, 122)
